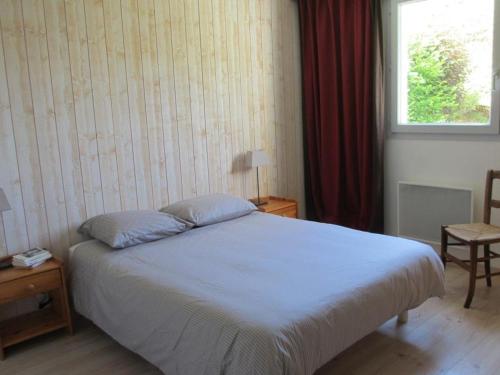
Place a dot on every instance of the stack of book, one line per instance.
(31, 258)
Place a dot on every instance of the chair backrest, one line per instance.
(488, 195)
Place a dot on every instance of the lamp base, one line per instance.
(259, 202)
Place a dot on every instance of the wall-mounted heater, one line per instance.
(422, 209)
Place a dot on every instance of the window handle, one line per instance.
(496, 80)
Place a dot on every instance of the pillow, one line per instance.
(210, 209)
(123, 229)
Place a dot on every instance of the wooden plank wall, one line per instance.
(109, 105)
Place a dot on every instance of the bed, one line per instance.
(260, 294)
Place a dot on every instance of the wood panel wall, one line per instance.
(109, 105)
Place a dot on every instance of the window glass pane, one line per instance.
(445, 62)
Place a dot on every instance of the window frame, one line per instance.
(392, 52)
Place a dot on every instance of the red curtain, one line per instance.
(339, 82)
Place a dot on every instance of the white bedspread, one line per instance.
(260, 294)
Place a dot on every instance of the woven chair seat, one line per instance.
(474, 232)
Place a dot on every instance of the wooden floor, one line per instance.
(440, 338)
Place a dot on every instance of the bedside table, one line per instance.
(18, 283)
(280, 206)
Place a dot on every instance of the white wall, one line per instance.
(439, 159)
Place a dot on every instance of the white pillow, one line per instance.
(210, 209)
(129, 228)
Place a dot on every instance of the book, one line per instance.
(32, 261)
(31, 258)
(31, 254)
(28, 267)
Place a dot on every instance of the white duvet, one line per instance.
(260, 294)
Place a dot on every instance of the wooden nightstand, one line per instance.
(279, 206)
(16, 284)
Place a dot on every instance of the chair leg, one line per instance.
(472, 274)
(444, 244)
(487, 264)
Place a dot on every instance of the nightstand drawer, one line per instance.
(28, 286)
(287, 212)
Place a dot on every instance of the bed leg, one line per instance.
(403, 317)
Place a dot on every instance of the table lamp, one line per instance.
(4, 206)
(256, 159)
(4, 203)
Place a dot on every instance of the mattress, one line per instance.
(260, 294)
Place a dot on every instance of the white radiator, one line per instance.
(422, 209)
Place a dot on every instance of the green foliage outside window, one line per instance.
(436, 85)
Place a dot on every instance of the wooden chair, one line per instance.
(475, 235)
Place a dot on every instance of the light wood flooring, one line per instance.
(441, 337)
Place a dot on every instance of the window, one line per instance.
(445, 69)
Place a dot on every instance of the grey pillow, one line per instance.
(210, 209)
(128, 228)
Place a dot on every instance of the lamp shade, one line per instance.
(256, 158)
(4, 203)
